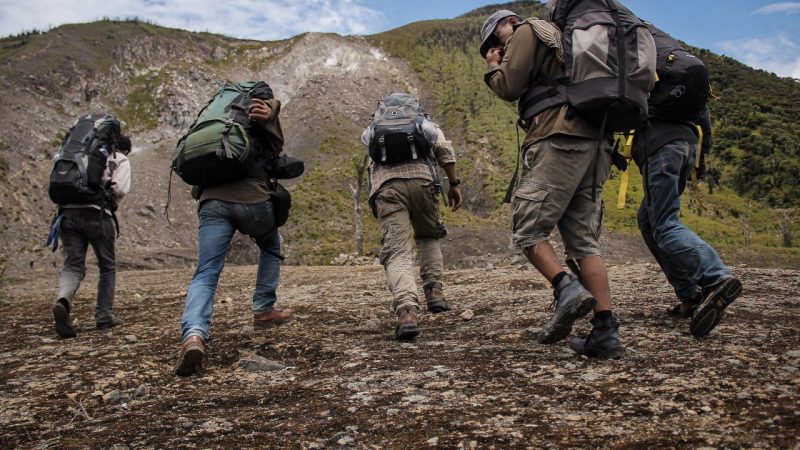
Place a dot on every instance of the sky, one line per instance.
(760, 33)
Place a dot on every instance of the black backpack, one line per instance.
(683, 86)
(77, 174)
(397, 130)
(609, 66)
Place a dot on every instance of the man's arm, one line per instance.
(266, 112)
(446, 157)
(120, 183)
(511, 76)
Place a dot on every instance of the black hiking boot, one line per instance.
(602, 342)
(64, 326)
(434, 298)
(110, 324)
(712, 310)
(572, 301)
(407, 327)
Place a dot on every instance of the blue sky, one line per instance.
(761, 33)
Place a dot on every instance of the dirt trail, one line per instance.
(342, 381)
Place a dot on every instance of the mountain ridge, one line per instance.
(156, 79)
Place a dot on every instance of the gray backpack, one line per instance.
(397, 130)
(609, 66)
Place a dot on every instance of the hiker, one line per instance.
(666, 152)
(86, 213)
(248, 204)
(403, 145)
(566, 160)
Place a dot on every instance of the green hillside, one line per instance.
(756, 161)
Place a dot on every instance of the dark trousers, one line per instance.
(81, 227)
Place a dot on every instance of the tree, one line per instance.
(359, 230)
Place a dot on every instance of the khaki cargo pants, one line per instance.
(555, 190)
(401, 205)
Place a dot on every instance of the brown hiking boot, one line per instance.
(272, 317)
(434, 298)
(190, 360)
(407, 327)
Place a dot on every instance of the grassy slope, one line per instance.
(445, 55)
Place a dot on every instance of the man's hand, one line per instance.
(259, 110)
(454, 198)
(494, 56)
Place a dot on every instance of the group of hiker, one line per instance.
(579, 79)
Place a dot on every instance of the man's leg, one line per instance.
(215, 234)
(688, 255)
(393, 215)
(214, 238)
(581, 227)
(428, 230)
(73, 247)
(253, 220)
(553, 170)
(102, 241)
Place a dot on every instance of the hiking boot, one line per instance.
(110, 324)
(272, 317)
(434, 298)
(711, 311)
(190, 360)
(407, 327)
(572, 301)
(63, 323)
(602, 342)
(686, 308)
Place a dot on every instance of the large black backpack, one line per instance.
(609, 66)
(397, 133)
(683, 87)
(77, 174)
(222, 144)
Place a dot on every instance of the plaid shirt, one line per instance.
(419, 168)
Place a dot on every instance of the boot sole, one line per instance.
(407, 333)
(437, 307)
(272, 324)
(560, 330)
(63, 327)
(710, 312)
(190, 363)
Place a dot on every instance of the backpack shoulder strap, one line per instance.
(549, 34)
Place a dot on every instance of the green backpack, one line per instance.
(220, 146)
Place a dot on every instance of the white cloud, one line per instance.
(779, 8)
(780, 54)
(254, 19)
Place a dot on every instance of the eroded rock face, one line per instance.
(158, 83)
(482, 383)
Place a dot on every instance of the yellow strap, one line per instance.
(623, 182)
(623, 190)
(695, 187)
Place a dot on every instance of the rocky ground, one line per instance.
(335, 378)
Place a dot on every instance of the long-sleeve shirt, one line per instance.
(526, 57)
(418, 168)
(118, 173)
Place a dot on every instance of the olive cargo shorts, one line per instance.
(400, 206)
(556, 190)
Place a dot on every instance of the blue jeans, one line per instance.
(686, 260)
(219, 220)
